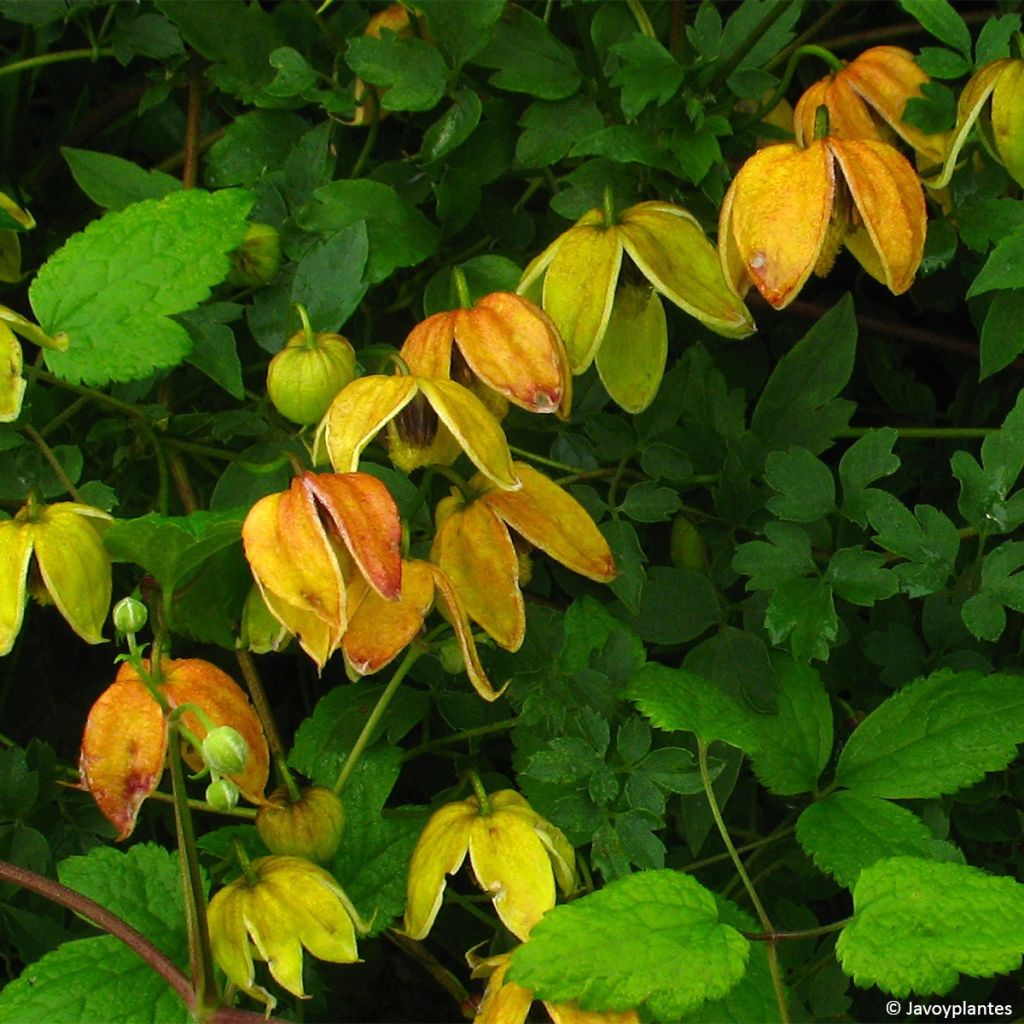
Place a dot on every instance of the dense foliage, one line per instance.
(510, 501)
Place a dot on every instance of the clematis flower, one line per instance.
(600, 282)
(476, 551)
(516, 855)
(1002, 83)
(428, 419)
(280, 905)
(790, 209)
(505, 1002)
(71, 567)
(866, 100)
(379, 630)
(506, 342)
(303, 544)
(124, 745)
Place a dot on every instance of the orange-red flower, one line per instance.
(790, 209)
(304, 544)
(125, 739)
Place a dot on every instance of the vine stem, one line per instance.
(92, 53)
(543, 461)
(410, 659)
(924, 432)
(459, 737)
(54, 462)
(190, 168)
(807, 933)
(766, 924)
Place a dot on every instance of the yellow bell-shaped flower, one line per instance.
(516, 855)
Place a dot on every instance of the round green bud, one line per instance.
(452, 659)
(257, 260)
(130, 615)
(310, 827)
(222, 795)
(225, 750)
(686, 546)
(303, 379)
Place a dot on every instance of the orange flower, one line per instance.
(304, 544)
(789, 210)
(504, 340)
(866, 100)
(474, 548)
(125, 739)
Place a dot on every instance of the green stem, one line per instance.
(643, 23)
(410, 659)
(924, 432)
(723, 831)
(248, 813)
(718, 857)
(307, 330)
(199, 949)
(462, 288)
(54, 462)
(608, 206)
(55, 58)
(787, 77)
(373, 98)
(449, 474)
(481, 793)
(459, 737)
(808, 933)
(542, 460)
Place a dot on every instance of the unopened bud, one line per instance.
(225, 750)
(222, 795)
(130, 615)
(257, 260)
(310, 827)
(452, 660)
(303, 379)
(686, 546)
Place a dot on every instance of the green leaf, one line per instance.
(1001, 339)
(868, 459)
(802, 609)
(1004, 267)
(254, 145)
(19, 786)
(674, 699)
(551, 127)
(623, 143)
(453, 127)
(935, 736)
(483, 274)
(984, 488)
(798, 405)
(666, 462)
(918, 923)
(989, 221)
(806, 490)
(796, 743)
(706, 31)
(653, 938)
(942, 63)
(676, 606)
(994, 38)
(295, 75)
(213, 348)
(646, 502)
(926, 537)
(171, 548)
(849, 831)
(400, 236)
(940, 19)
(629, 560)
(786, 555)
(648, 73)
(529, 58)
(860, 576)
(148, 35)
(329, 279)
(165, 256)
(114, 183)
(410, 69)
(1001, 586)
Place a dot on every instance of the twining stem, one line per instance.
(103, 918)
(787, 76)
(200, 953)
(410, 659)
(248, 813)
(459, 737)
(757, 844)
(543, 461)
(54, 462)
(55, 58)
(936, 433)
(766, 924)
(807, 933)
(643, 22)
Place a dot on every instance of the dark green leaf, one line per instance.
(676, 606)
(1004, 267)
(329, 279)
(648, 72)
(806, 490)
(253, 146)
(802, 609)
(860, 576)
(483, 274)
(410, 72)
(994, 38)
(942, 63)
(114, 183)
(925, 537)
(1001, 586)
(940, 19)
(1001, 338)
(865, 461)
(646, 502)
(629, 561)
(551, 127)
(453, 127)
(989, 221)
(785, 555)
(935, 111)
(214, 351)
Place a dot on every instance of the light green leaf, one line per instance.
(654, 938)
(935, 736)
(410, 69)
(806, 490)
(799, 405)
(795, 744)
(868, 459)
(113, 287)
(114, 183)
(849, 831)
(940, 19)
(919, 923)
(674, 699)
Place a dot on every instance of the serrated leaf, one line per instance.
(674, 699)
(411, 70)
(919, 923)
(565, 760)
(113, 182)
(802, 609)
(795, 744)
(868, 459)
(653, 938)
(164, 255)
(646, 502)
(648, 73)
(551, 126)
(171, 548)
(1001, 585)
(806, 490)
(994, 38)
(925, 537)
(784, 556)
(860, 576)
(798, 404)
(935, 736)
(849, 831)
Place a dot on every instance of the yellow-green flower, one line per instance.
(600, 281)
(71, 568)
(12, 384)
(516, 855)
(279, 906)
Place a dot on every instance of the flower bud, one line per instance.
(452, 660)
(259, 631)
(222, 795)
(303, 379)
(225, 750)
(686, 546)
(130, 615)
(310, 827)
(257, 260)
